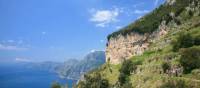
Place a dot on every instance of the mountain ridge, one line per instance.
(73, 69)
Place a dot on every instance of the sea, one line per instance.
(17, 77)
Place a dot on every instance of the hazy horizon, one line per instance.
(49, 30)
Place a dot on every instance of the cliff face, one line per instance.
(135, 39)
(124, 47)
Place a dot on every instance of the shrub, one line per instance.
(184, 40)
(122, 78)
(190, 59)
(197, 40)
(196, 73)
(127, 67)
(104, 83)
(127, 85)
(175, 84)
(165, 66)
(93, 81)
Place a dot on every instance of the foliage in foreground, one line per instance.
(174, 84)
(190, 58)
(185, 40)
(95, 81)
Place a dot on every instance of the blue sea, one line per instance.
(17, 77)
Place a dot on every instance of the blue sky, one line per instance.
(56, 30)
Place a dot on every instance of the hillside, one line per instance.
(160, 50)
(73, 69)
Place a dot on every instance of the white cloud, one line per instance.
(156, 2)
(104, 17)
(118, 27)
(102, 41)
(12, 47)
(22, 60)
(101, 25)
(44, 33)
(92, 51)
(140, 11)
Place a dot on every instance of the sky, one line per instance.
(57, 30)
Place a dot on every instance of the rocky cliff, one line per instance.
(124, 47)
(134, 39)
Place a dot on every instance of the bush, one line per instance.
(165, 67)
(104, 83)
(196, 73)
(122, 78)
(93, 81)
(175, 84)
(184, 40)
(197, 40)
(127, 85)
(127, 67)
(190, 59)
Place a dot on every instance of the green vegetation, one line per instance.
(151, 21)
(172, 61)
(125, 70)
(190, 58)
(165, 66)
(185, 40)
(93, 81)
(154, 69)
(175, 84)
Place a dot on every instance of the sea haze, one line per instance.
(19, 76)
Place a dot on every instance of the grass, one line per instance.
(149, 73)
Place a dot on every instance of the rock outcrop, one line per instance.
(124, 47)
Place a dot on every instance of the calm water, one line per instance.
(13, 77)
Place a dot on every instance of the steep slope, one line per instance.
(160, 50)
(136, 37)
